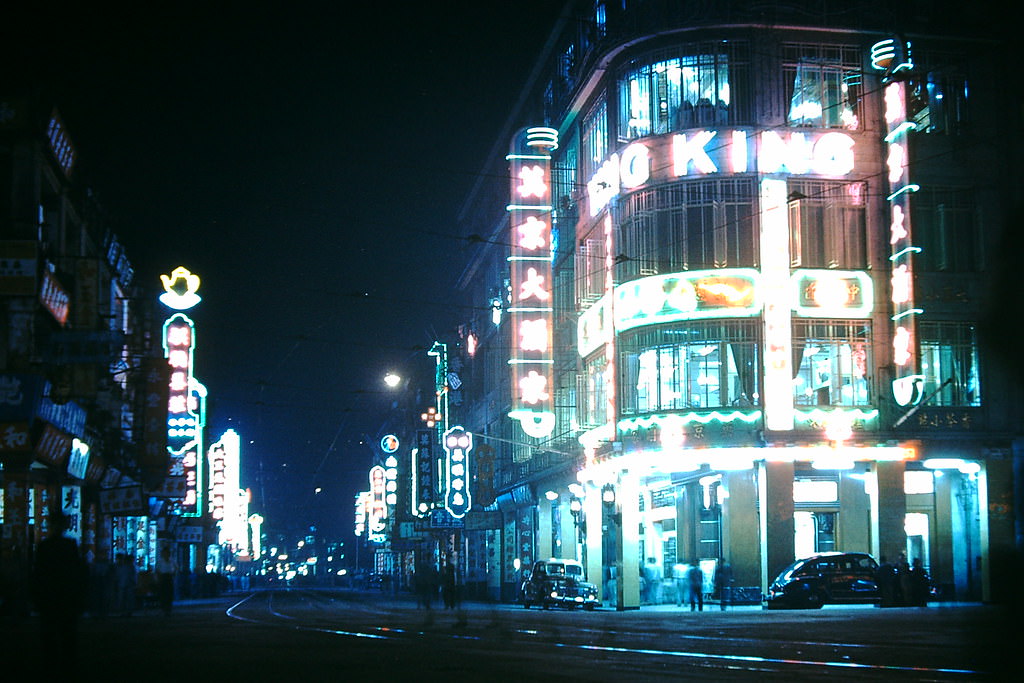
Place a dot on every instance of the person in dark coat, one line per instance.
(885, 578)
(919, 584)
(695, 581)
(723, 584)
(59, 583)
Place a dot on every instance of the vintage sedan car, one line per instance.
(558, 583)
(825, 578)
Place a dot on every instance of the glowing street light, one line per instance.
(392, 380)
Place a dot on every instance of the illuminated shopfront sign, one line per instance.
(832, 293)
(377, 509)
(707, 152)
(775, 281)
(686, 296)
(186, 402)
(457, 446)
(531, 307)
(908, 382)
(228, 502)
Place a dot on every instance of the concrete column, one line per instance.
(854, 525)
(740, 531)
(627, 501)
(592, 516)
(567, 531)
(544, 549)
(891, 505)
(778, 531)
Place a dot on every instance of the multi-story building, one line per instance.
(731, 305)
(77, 357)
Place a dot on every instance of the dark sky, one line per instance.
(308, 164)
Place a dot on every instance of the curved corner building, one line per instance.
(736, 309)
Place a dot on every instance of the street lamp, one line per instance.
(392, 380)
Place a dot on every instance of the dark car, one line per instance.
(825, 578)
(558, 583)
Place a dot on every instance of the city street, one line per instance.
(331, 635)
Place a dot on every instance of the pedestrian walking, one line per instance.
(166, 570)
(695, 585)
(449, 585)
(679, 577)
(59, 583)
(723, 584)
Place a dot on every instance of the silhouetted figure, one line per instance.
(58, 584)
(723, 584)
(695, 581)
(166, 569)
(426, 585)
(919, 584)
(902, 581)
(449, 586)
(885, 578)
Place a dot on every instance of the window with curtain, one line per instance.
(594, 140)
(684, 87)
(830, 362)
(704, 365)
(938, 94)
(823, 85)
(689, 225)
(827, 224)
(949, 351)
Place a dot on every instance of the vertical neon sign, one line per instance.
(531, 312)
(457, 445)
(186, 398)
(775, 260)
(892, 57)
(376, 507)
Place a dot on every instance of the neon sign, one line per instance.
(457, 444)
(730, 151)
(778, 376)
(185, 411)
(686, 296)
(377, 510)
(908, 382)
(180, 289)
(832, 293)
(187, 396)
(531, 311)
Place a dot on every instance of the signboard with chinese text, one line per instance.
(531, 307)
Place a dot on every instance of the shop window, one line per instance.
(827, 225)
(830, 361)
(949, 351)
(823, 86)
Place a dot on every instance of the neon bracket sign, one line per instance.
(729, 151)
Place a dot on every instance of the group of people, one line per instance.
(902, 584)
(428, 581)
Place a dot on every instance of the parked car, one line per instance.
(558, 583)
(825, 578)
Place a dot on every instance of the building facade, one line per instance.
(82, 373)
(734, 304)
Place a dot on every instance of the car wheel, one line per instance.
(589, 608)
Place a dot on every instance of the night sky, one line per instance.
(308, 165)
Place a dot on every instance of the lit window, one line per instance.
(949, 351)
(831, 361)
(823, 86)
